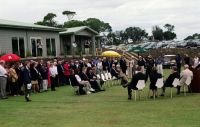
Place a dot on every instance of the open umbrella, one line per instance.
(111, 54)
(10, 57)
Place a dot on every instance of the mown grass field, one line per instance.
(106, 109)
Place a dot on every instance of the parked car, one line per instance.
(169, 61)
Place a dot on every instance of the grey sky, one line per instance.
(184, 14)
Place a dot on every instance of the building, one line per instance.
(30, 40)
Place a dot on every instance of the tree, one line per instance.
(169, 34)
(157, 33)
(135, 33)
(69, 14)
(48, 20)
(97, 25)
(169, 27)
(73, 23)
(194, 36)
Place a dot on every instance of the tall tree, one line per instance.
(69, 14)
(98, 25)
(135, 33)
(48, 20)
(169, 34)
(157, 33)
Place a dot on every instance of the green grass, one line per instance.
(106, 109)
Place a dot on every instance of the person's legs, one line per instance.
(3, 83)
(44, 85)
(129, 92)
(53, 83)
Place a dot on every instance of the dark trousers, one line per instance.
(67, 79)
(27, 92)
(129, 92)
(61, 79)
(14, 88)
(178, 68)
(3, 83)
(53, 83)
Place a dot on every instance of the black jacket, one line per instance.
(135, 79)
(26, 76)
(34, 74)
(170, 79)
(83, 76)
(60, 69)
(154, 76)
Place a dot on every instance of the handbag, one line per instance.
(29, 86)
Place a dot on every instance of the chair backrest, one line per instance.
(106, 76)
(188, 81)
(98, 76)
(109, 75)
(78, 78)
(160, 83)
(103, 77)
(176, 82)
(140, 84)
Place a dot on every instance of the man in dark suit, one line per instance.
(27, 80)
(123, 65)
(170, 80)
(114, 72)
(61, 76)
(132, 85)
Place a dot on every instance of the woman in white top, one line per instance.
(53, 75)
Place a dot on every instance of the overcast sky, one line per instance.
(184, 14)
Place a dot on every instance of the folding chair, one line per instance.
(76, 88)
(140, 85)
(104, 79)
(187, 84)
(159, 85)
(175, 83)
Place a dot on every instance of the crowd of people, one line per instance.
(24, 78)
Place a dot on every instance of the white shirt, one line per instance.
(99, 65)
(78, 78)
(53, 71)
(185, 74)
(3, 72)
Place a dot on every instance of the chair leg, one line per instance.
(184, 90)
(135, 92)
(139, 92)
(171, 92)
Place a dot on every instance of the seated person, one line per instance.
(94, 80)
(132, 85)
(85, 78)
(168, 83)
(114, 72)
(154, 76)
(74, 82)
(185, 74)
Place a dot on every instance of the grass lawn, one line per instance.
(106, 109)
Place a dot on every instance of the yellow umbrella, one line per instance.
(111, 54)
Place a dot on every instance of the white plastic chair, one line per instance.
(140, 85)
(175, 83)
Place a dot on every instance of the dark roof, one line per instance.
(75, 30)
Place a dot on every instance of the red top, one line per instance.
(66, 69)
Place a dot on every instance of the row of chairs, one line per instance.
(160, 83)
(106, 77)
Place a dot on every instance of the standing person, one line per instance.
(44, 74)
(61, 76)
(150, 63)
(49, 77)
(131, 67)
(159, 65)
(34, 77)
(132, 85)
(87, 47)
(67, 71)
(53, 74)
(3, 79)
(196, 61)
(99, 67)
(14, 79)
(39, 47)
(178, 62)
(154, 76)
(27, 80)
(141, 63)
(123, 65)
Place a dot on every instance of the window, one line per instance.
(51, 46)
(18, 46)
